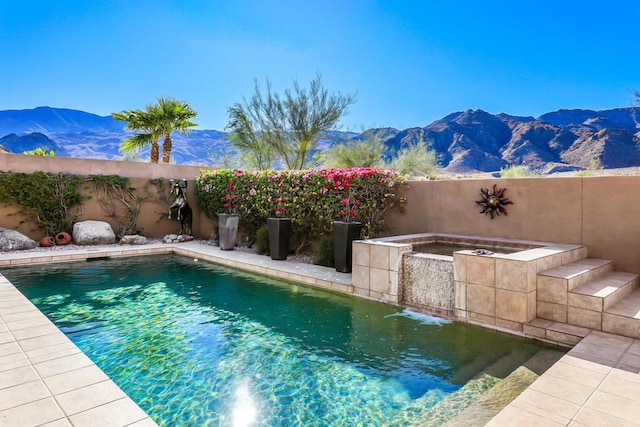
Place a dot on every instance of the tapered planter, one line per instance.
(227, 230)
(279, 233)
(344, 233)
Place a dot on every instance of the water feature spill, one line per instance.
(427, 282)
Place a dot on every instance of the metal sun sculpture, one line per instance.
(493, 202)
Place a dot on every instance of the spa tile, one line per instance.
(481, 270)
(360, 277)
(481, 299)
(584, 318)
(552, 289)
(550, 311)
(379, 257)
(460, 267)
(511, 305)
(512, 275)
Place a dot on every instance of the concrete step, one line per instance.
(623, 318)
(570, 276)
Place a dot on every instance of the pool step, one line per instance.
(554, 332)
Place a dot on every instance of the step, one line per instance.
(603, 292)
(623, 318)
(577, 273)
(554, 332)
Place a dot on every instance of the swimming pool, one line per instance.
(198, 344)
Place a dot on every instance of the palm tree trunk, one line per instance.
(166, 148)
(155, 152)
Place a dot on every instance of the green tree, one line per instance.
(365, 152)
(40, 152)
(172, 115)
(290, 125)
(415, 160)
(145, 122)
(156, 120)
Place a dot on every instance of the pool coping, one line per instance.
(46, 380)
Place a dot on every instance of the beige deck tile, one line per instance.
(62, 364)
(58, 423)
(9, 348)
(614, 405)
(627, 376)
(34, 413)
(592, 418)
(75, 379)
(621, 387)
(21, 394)
(29, 314)
(12, 361)
(585, 364)
(5, 337)
(36, 331)
(563, 389)
(576, 374)
(114, 414)
(635, 347)
(17, 325)
(52, 352)
(89, 397)
(544, 405)
(147, 422)
(17, 376)
(511, 416)
(43, 341)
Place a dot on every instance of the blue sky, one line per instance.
(410, 62)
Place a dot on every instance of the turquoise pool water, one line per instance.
(198, 344)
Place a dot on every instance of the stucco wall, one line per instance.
(601, 212)
(152, 221)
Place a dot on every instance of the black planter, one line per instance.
(279, 233)
(227, 230)
(344, 233)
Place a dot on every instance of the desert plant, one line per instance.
(518, 171)
(289, 126)
(45, 152)
(415, 160)
(365, 152)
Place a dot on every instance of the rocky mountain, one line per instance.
(466, 141)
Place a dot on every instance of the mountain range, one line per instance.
(467, 141)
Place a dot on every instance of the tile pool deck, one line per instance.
(45, 380)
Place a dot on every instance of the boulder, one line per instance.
(93, 233)
(133, 239)
(11, 240)
(177, 238)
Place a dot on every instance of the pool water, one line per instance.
(199, 344)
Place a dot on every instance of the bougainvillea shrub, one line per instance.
(313, 199)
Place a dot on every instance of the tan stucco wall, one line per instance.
(153, 213)
(601, 212)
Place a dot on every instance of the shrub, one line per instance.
(325, 253)
(262, 241)
(313, 199)
(514, 171)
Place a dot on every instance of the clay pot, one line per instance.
(47, 241)
(63, 238)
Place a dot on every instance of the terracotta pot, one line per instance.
(47, 241)
(63, 238)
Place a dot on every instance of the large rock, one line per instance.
(133, 239)
(11, 240)
(93, 233)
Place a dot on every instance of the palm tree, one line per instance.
(172, 115)
(162, 118)
(144, 121)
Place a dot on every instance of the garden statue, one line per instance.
(179, 209)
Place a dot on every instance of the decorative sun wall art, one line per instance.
(493, 202)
